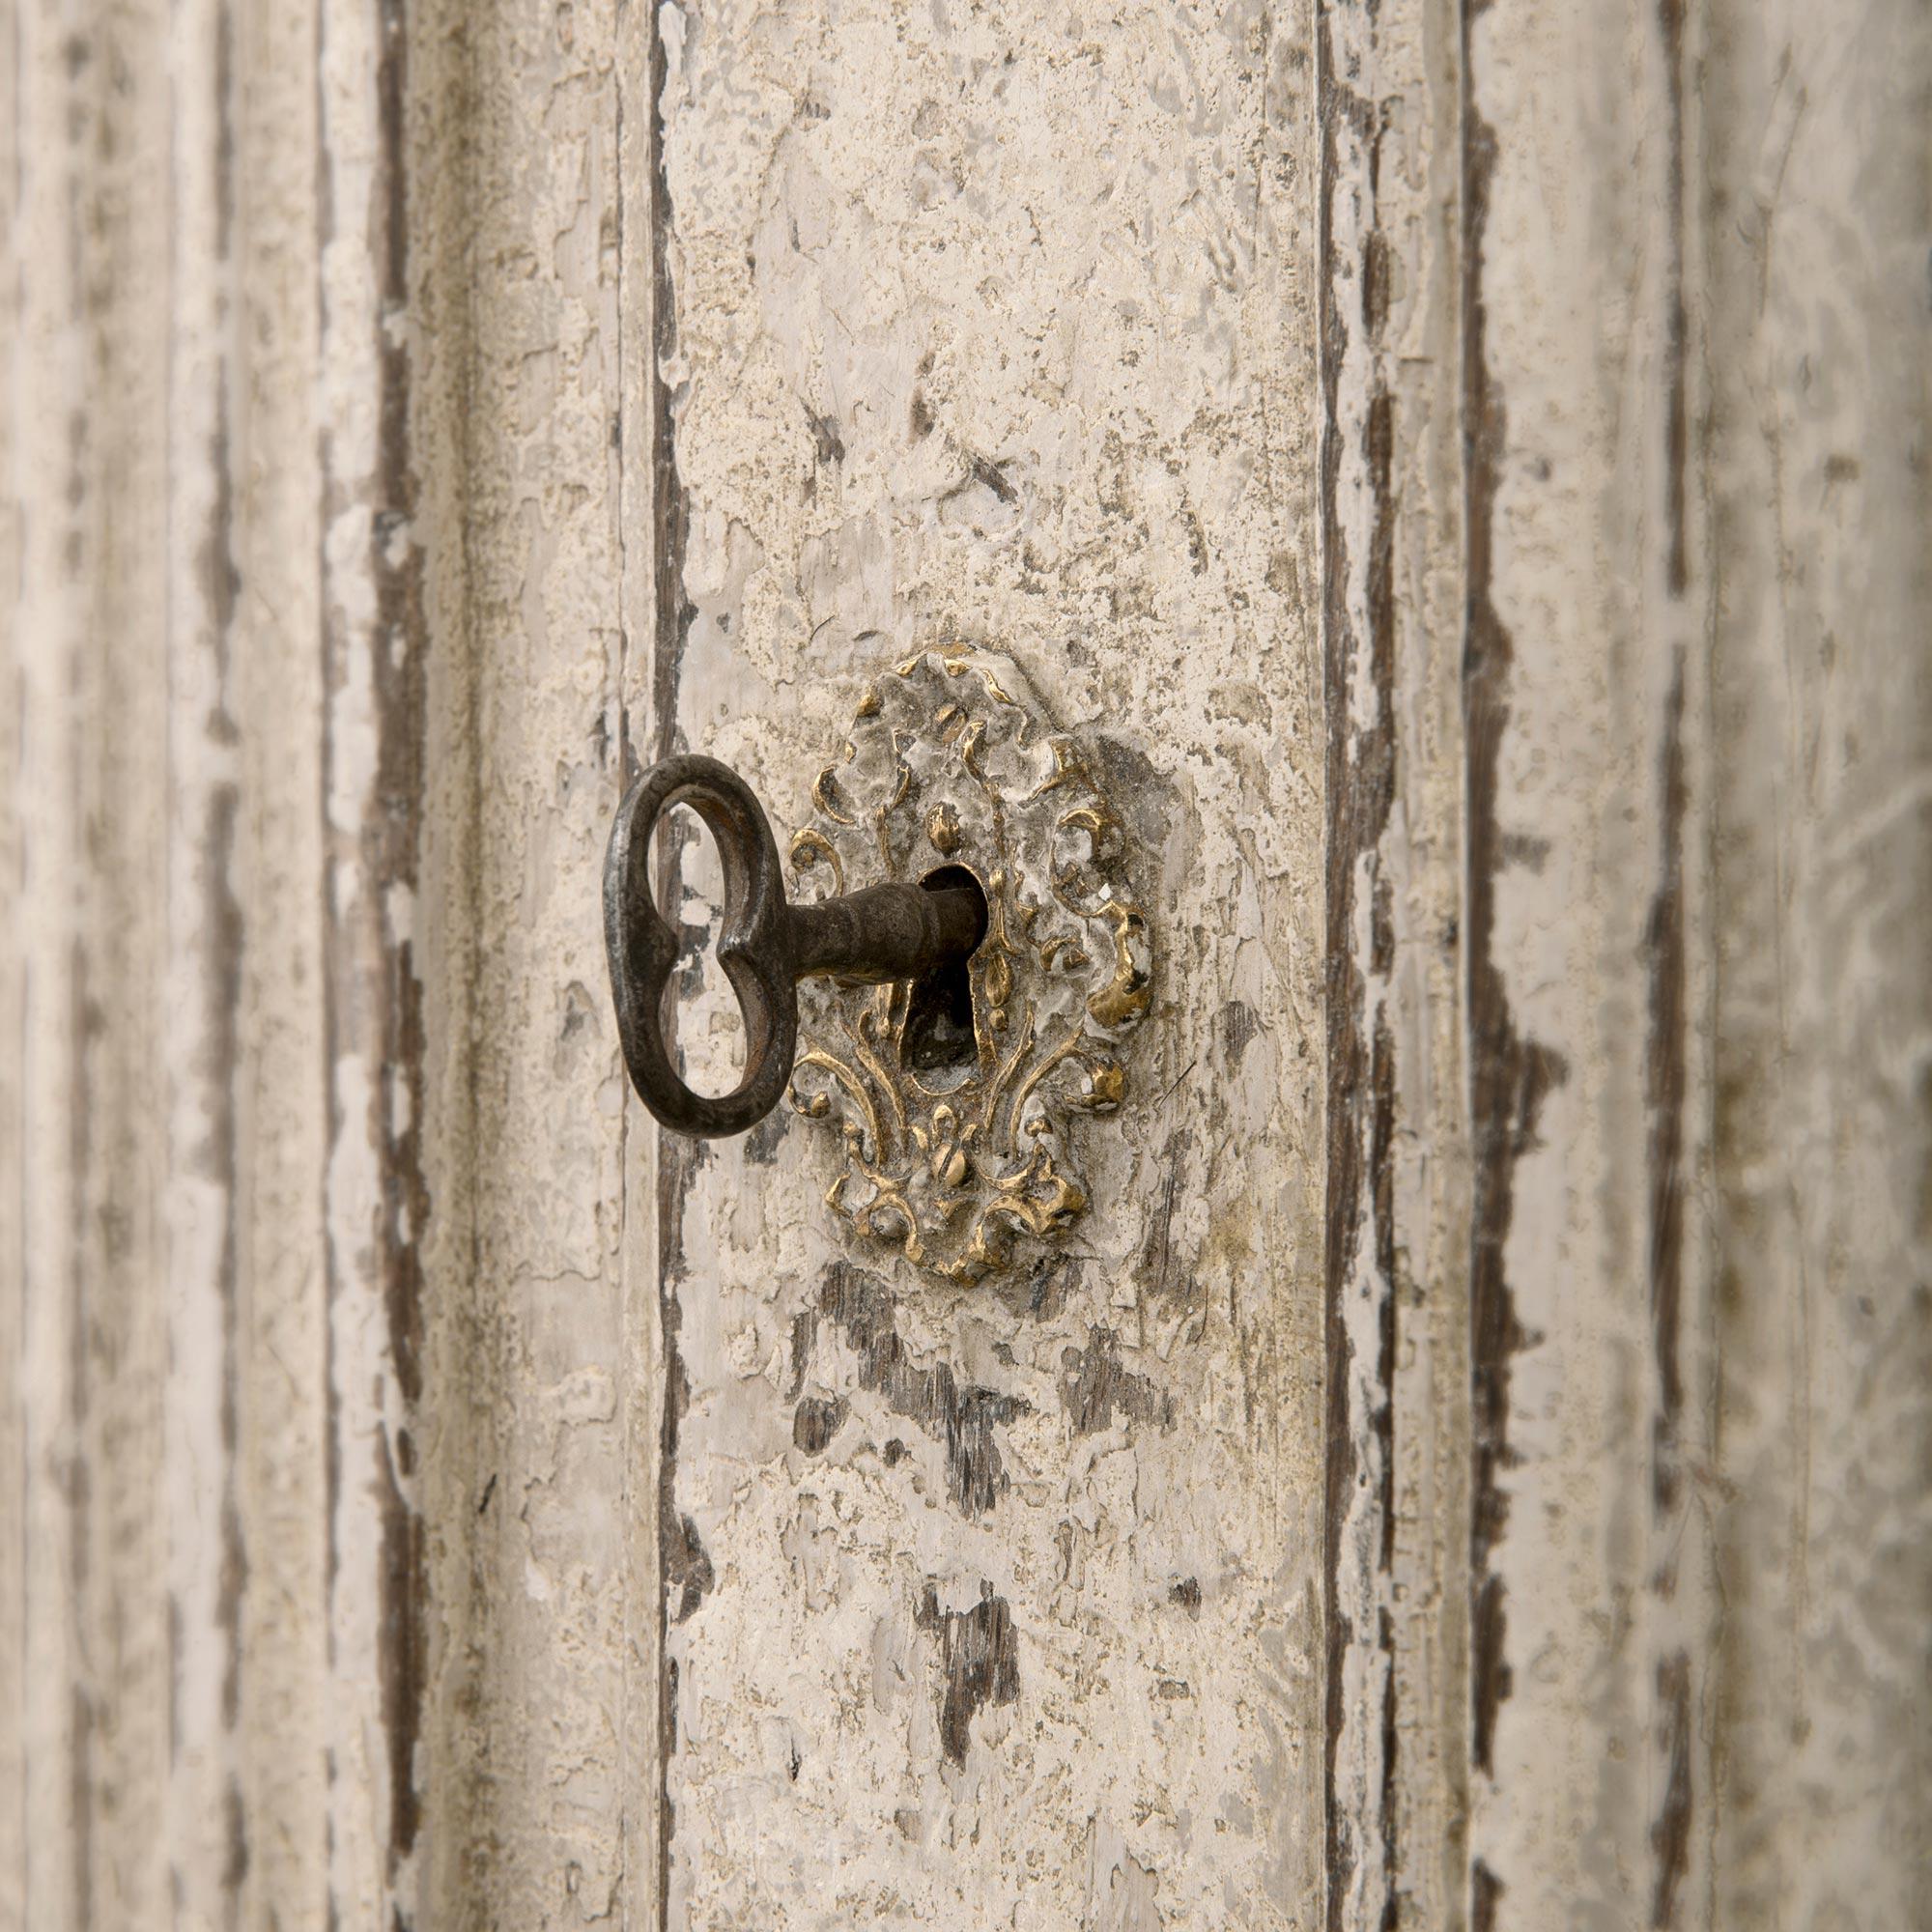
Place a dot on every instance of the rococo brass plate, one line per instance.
(957, 1130)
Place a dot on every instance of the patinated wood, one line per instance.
(1608, 1337)
(1461, 465)
(213, 1626)
(995, 332)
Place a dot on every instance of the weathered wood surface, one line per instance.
(1004, 1607)
(1466, 463)
(214, 1624)
(1625, 516)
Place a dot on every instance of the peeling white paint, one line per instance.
(998, 328)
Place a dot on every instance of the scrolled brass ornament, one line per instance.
(959, 1097)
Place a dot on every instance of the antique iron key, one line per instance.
(767, 944)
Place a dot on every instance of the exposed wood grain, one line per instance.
(1358, 663)
(1463, 462)
(181, 1670)
(375, 1201)
(1573, 939)
(1398, 1108)
(206, 936)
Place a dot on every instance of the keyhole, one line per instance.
(939, 1044)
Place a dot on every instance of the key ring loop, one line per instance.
(755, 945)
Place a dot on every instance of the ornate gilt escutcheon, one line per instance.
(958, 1095)
(951, 983)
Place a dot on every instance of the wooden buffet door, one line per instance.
(1459, 468)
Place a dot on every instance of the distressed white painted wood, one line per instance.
(1001, 329)
(1628, 344)
(1820, 410)
(1466, 465)
(205, 1661)
(542, 1623)
(88, 720)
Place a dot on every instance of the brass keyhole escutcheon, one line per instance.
(955, 998)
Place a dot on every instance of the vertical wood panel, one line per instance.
(1001, 329)
(374, 1200)
(284, 778)
(179, 1670)
(1397, 1359)
(276, 668)
(1466, 462)
(535, 1375)
(87, 629)
(203, 1392)
(1569, 668)
(50, 1797)
(1690, 371)
(1816, 221)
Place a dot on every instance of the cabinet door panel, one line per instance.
(993, 332)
